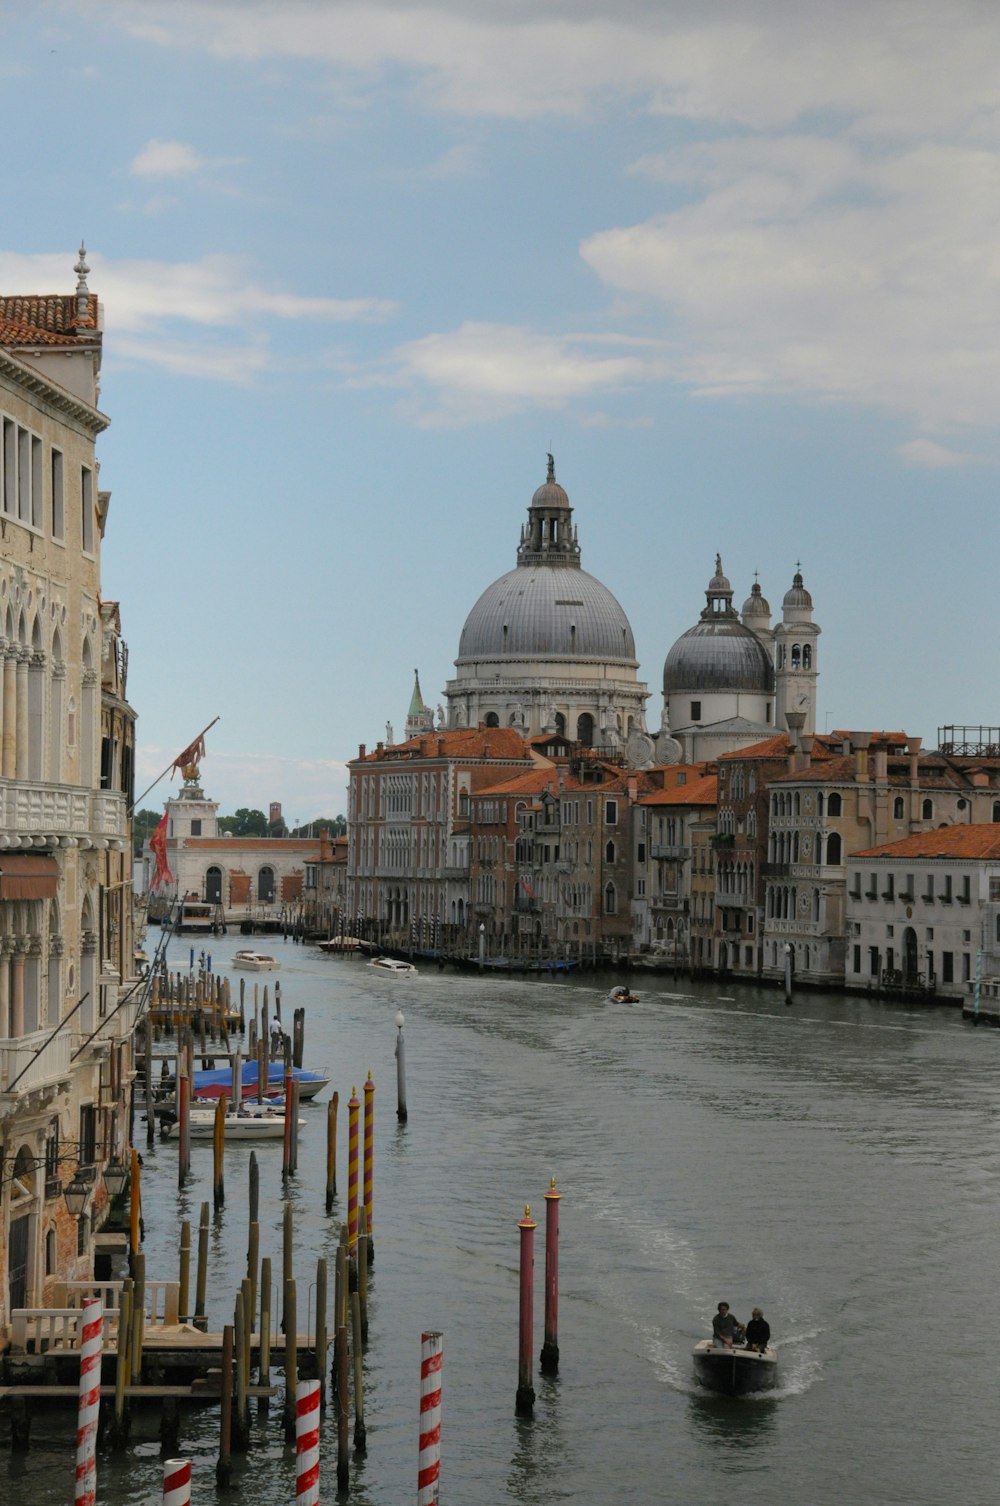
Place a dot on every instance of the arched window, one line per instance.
(833, 849)
(796, 655)
(492, 720)
(996, 810)
(927, 811)
(609, 853)
(898, 809)
(560, 724)
(585, 729)
(819, 806)
(610, 900)
(807, 656)
(834, 805)
(265, 886)
(213, 885)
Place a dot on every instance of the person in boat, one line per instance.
(758, 1331)
(726, 1329)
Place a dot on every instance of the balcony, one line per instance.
(776, 870)
(63, 813)
(43, 1062)
(671, 850)
(454, 872)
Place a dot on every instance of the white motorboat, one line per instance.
(391, 965)
(252, 1121)
(256, 962)
(733, 1370)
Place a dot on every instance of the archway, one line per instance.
(213, 885)
(909, 955)
(585, 729)
(265, 886)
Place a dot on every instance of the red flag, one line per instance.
(193, 753)
(158, 847)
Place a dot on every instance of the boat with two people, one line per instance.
(737, 1360)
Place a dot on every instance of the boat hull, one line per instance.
(237, 1127)
(734, 1372)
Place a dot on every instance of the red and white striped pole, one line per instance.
(91, 1348)
(177, 1482)
(307, 1443)
(429, 1463)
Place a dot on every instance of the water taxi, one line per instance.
(391, 965)
(255, 962)
(251, 1121)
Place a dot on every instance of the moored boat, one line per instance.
(732, 1370)
(250, 1122)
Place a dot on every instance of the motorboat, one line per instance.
(255, 962)
(391, 965)
(212, 1082)
(622, 995)
(732, 1370)
(251, 1121)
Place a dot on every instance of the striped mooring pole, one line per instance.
(352, 1171)
(177, 1482)
(429, 1461)
(307, 1443)
(550, 1344)
(369, 1091)
(91, 1347)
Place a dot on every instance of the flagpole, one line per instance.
(170, 766)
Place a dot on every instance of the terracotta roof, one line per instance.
(701, 791)
(959, 841)
(49, 319)
(469, 742)
(771, 747)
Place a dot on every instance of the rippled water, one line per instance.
(835, 1162)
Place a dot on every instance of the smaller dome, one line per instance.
(798, 596)
(756, 604)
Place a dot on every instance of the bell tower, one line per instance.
(796, 668)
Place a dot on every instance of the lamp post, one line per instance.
(788, 972)
(400, 1070)
(482, 944)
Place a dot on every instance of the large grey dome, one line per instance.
(718, 655)
(548, 611)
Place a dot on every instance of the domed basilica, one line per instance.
(548, 649)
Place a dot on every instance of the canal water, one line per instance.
(834, 1162)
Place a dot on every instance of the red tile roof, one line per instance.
(469, 742)
(959, 841)
(700, 791)
(45, 319)
(771, 747)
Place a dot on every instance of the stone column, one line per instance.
(9, 743)
(17, 986)
(6, 947)
(21, 746)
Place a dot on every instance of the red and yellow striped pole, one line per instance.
(352, 1171)
(369, 1163)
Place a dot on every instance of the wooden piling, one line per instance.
(201, 1280)
(218, 1152)
(331, 1151)
(253, 1185)
(150, 1115)
(184, 1284)
(296, 1092)
(357, 1353)
(253, 1249)
(138, 1317)
(264, 1368)
(291, 1359)
(321, 1326)
(240, 1430)
(224, 1463)
(120, 1425)
(134, 1206)
(343, 1461)
(287, 1269)
(363, 1278)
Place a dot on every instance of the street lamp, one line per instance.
(116, 1174)
(76, 1195)
(482, 943)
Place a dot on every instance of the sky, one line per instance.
(736, 265)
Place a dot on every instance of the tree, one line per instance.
(335, 825)
(143, 824)
(245, 823)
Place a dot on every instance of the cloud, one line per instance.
(826, 269)
(930, 456)
(167, 159)
(487, 371)
(206, 318)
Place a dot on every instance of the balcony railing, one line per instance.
(61, 810)
(668, 850)
(40, 1060)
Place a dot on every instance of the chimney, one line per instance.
(881, 764)
(795, 721)
(861, 742)
(361, 751)
(913, 748)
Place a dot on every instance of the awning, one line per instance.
(28, 875)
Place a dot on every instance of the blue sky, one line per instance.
(362, 265)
